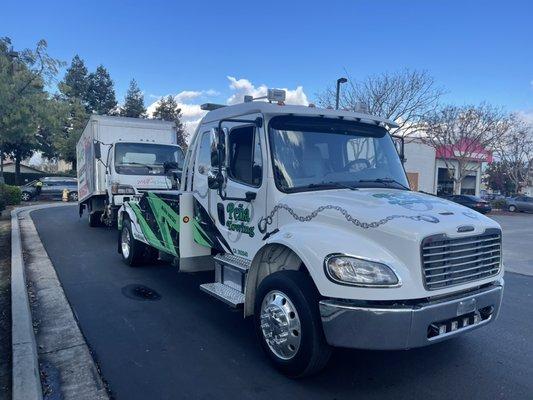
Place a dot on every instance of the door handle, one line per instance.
(221, 215)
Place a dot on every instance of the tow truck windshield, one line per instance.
(145, 158)
(311, 153)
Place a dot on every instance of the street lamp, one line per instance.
(339, 81)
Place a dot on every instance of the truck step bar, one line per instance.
(231, 260)
(230, 279)
(228, 295)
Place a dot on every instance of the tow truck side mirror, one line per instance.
(216, 178)
(399, 143)
(212, 181)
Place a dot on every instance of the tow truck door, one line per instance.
(235, 218)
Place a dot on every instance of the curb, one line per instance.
(26, 375)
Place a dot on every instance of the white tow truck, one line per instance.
(307, 221)
(117, 157)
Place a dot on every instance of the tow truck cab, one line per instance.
(306, 218)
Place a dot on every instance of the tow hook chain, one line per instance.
(265, 221)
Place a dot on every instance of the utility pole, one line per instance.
(339, 81)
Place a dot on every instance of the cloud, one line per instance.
(189, 101)
(526, 116)
(190, 110)
(242, 87)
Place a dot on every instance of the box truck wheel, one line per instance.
(288, 324)
(95, 219)
(131, 249)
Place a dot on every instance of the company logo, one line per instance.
(239, 219)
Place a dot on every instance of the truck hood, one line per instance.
(402, 213)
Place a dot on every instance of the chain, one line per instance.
(265, 221)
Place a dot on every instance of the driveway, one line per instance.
(517, 241)
(188, 345)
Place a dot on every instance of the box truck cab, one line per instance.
(306, 219)
(119, 157)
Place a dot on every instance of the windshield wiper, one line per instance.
(330, 184)
(385, 181)
(140, 164)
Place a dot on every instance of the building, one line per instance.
(432, 170)
(27, 173)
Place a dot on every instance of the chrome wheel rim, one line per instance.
(125, 242)
(74, 196)
(25, 196)
(280, 325)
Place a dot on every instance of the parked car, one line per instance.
(51, 189)
(473, 202)
(520, 203)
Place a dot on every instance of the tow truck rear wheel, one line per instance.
(131, 249)
(287, 322)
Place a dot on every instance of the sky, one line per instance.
(217, 51)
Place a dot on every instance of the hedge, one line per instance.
(10, 195)
(500, 204)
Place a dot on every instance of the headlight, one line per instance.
(358, 272)
(117, 188)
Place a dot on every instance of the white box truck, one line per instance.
(118, 157)
(306, 219)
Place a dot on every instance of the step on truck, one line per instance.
(119, 157)
(307, 221)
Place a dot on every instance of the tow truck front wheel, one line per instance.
(288, 325)
(131, 249)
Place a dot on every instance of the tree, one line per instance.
(76, 82)
(515, 149)
(168, 110)
(100, 92)
(498, 179)
(23, 77)
(406, 97)
(133, 102)
(461, 134)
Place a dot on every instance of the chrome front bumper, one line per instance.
(404, 326)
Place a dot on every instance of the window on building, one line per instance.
(468, 185)
(445, 181)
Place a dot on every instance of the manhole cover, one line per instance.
(140, 292)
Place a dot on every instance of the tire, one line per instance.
(94, 219)
(512, 208)
(291, 297)
(25, 196)
(131, 249)
(73, 196)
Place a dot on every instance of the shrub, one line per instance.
(2, 204)
(499, 204)
(11, 195)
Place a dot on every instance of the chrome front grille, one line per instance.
(449, 262)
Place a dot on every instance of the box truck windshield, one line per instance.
(145, 158)
(314, 154)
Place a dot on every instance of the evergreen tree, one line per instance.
(133, 102)
(168, 110)
(101, 93)
(75, 82)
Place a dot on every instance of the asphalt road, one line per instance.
(517, 241)
(188, 345)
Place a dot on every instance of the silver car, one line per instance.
(520, 203)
